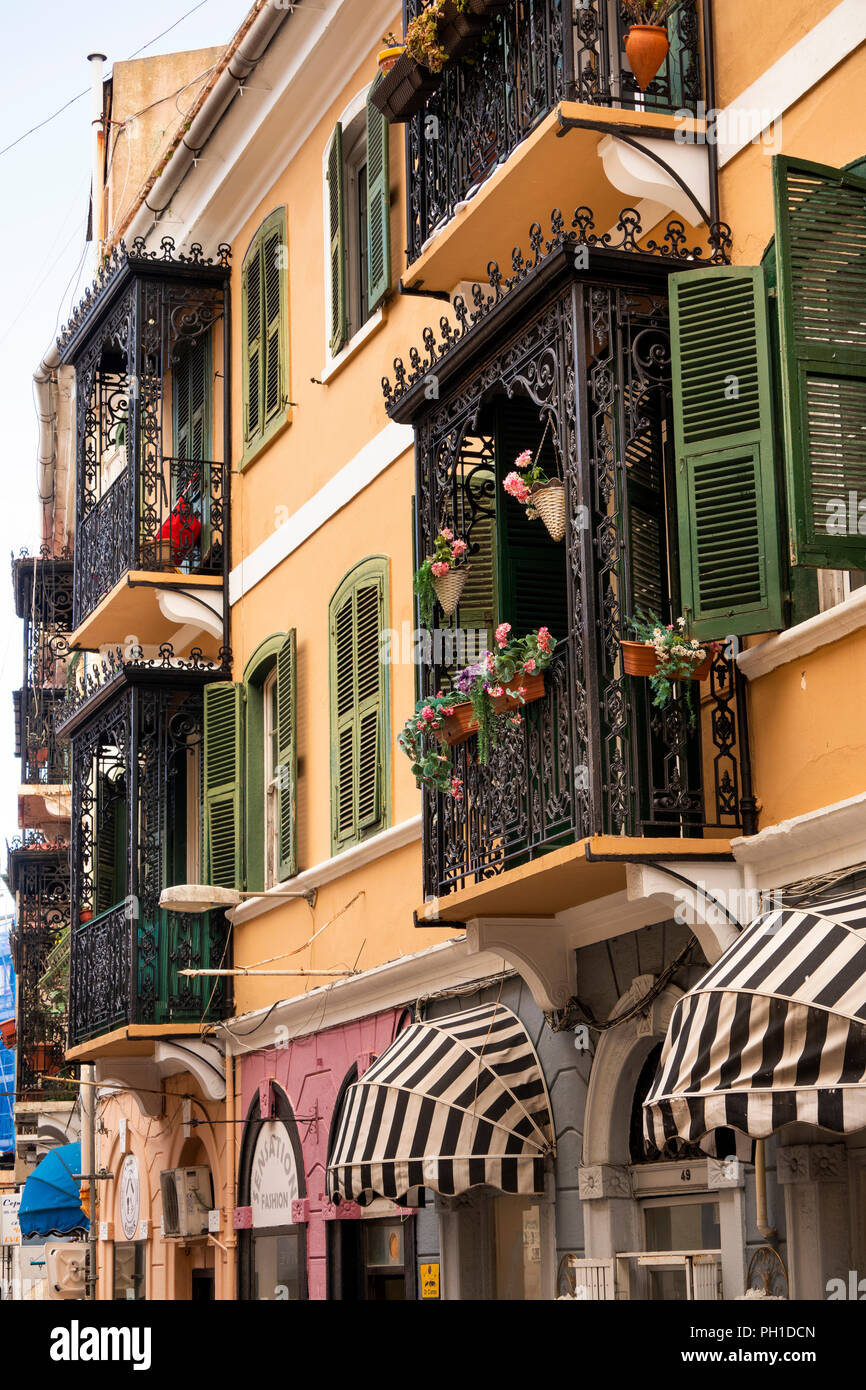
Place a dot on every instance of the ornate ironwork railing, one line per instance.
(39, 875)
(534, 55)
(116, 664)
(180, 510)
(44, 753)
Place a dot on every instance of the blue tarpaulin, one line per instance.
(7, 1057)
(51, 1200)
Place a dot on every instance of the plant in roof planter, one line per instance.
(665, 653)
(393, 49)
(442, 576)
(542, 496)
(647, 44)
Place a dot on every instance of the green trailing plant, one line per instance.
(431, 760)
(448, 554)
(678, 655)
(650, 11)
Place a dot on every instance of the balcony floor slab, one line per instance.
(131, 611)
(131, 1040)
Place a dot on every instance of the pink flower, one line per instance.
(456, 789)
(523, 460)
(529, 665)
(544, 639)
(420, 725)
(446, 534)
(440, 568)
(459, 548)
(490, 662)
(496, 691)
(448, 710)
(427, 712)
(516, 487)
(502, 634)
(516, 719)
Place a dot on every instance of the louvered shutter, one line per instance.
(725, 460)
(192, 381)
(821, 253)
(223, 725)
(378, 207)
(253, 345)
(358, 709)
(477, 609)
(272, 306)
(532, 578)
(287, 755)
(109, 885)
(337, 238)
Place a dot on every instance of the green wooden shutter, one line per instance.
(223, 742)
(253, 346)
(287, 755)
(192, 401)
(821, 253)
(358, 708)
(337, 232)
(272, 306)
(730, 573)
(378, 207)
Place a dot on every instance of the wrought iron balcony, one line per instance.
(43, 752)
(575, 366)
(136, 795)
(151, 484)
(126, 970)
(536, 54)
(38, 873)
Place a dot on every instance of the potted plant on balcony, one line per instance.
(665, 654)
(432, 763)
(442, 576)
(406, 84)
(541, 495)
(393, 49)
(647, 44)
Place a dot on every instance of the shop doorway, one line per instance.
(273, 1248)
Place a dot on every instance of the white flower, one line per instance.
(681, 622)
(694, 641)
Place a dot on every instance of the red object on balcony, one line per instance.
(8, 1033)
(182, 529)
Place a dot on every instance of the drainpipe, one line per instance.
(45, 395)
(767, 1231)
(97, 157)
(231, 1245)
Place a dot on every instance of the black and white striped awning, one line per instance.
(775, 1032)
(453, 1103)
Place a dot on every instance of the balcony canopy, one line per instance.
(775, 1032)
(453, 1103)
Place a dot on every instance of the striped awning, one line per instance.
(775, 1032)
(453, 1103)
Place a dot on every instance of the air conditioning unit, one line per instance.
(187, 1197)
(66, 1269)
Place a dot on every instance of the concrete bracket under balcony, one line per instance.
(143, 1076)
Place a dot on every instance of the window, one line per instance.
(265, 333)
(735, 370)
(358, 200)
(129, 1276)
(251, 771)
(358, 706)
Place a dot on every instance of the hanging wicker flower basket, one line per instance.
(548, 499)
(449, 588)
(640, 660)
(461, 725)
(646, 46)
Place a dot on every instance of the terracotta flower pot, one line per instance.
(461, 725)
(549, 501)
(388, 57)
(450, 587)
(640, 660)
(646, 46)
(85, 915)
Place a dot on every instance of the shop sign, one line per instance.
(10, 1231)
(430, 1281)
(130, 1197)
(274, 1183)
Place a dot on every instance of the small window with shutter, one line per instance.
(358, 232)
(359, 793)
(265, 332)
(223, 776)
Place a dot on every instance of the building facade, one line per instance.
(356, 1039)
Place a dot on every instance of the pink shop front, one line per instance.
(292, 1242)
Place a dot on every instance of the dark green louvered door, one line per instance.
(358, 707)
(725, 460)
(223, 744)
(821, 256)
(532, 579)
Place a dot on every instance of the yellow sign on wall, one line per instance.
(430, 1281)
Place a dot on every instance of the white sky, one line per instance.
(46, 186)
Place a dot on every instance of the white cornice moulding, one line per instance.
(819, 842)
(448, 965)
(341, 864)
(793, 75)
(377, 455)
(838, 622)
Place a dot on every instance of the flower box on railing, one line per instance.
(404, 89)
(458, 727)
